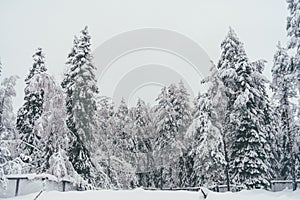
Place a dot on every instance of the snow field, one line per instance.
(140, 194)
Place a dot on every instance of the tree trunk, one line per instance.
(227, 164)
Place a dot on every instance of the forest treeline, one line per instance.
(233, 133)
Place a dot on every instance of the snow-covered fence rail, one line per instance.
(276, 186)
(193, 189)
(215, 188)
(22, 184)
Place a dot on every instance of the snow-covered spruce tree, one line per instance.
(183, 109)
(142, 135)
(31, 111)
(80, 87)
(165, 130)
(125, 149)
(249, 157)
(293, 32)
(217, 100)
(206, 144)
(231, 51)
(284, 90)
(267, 120)
(167, 141)
(123, 136)
(9, 163)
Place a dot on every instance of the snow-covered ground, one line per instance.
(140, 194)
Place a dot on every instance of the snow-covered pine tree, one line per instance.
(165, 130)
(267, 120)
(293, 32)
(231, 51)
(80, 87)
(284, 90)
(207, 144)
(31, 111)
(167, 142)
(218, 110)
(249, 155)
(125, 146)
(124, 136)
(183, 109)
(142, 133)
(9, 163)
(179, 98)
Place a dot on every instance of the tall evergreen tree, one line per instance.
(244, 115)
(183, 109)
(267, 120)
(207, 144)
(142, 133)
(216, 102)
(32, 109)
(293, 32)
(284, 90)
(80, 87)
(231, 51)
(168, 141)
(249, 156)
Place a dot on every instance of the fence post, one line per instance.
(17, 186)
(64, 185)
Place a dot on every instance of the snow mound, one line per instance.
(139, 194)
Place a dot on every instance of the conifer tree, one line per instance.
(293, 32)
(168, 142)
(244, 116)
(80, 87)
(231, 51)
(31, 110)
(183, 109)
(284, 90)
(249, 156)
(207, 144)
(142, 133)
(216, 114)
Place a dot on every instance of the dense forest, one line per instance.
(235, 133)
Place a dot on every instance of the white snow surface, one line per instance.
(140, 194)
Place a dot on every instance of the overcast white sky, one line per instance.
(26, 25)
